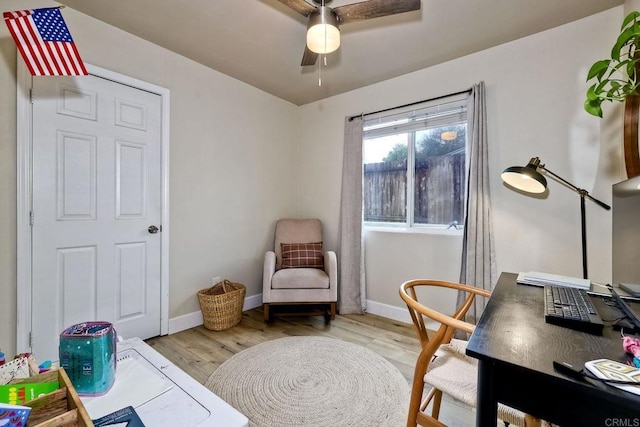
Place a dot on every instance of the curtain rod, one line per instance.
(410, 104)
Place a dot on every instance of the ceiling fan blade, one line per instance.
(373, 9)
(309, 57)
(300, 6)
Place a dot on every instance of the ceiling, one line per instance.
(261, 42)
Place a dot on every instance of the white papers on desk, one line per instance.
(137, 382)
(541, 279)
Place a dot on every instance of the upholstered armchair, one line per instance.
(298, 271)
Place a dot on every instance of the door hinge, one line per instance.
(30, 339)
(31, 218)
(31, 95)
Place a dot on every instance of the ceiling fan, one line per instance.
(323, 34)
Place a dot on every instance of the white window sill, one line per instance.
(415, 230)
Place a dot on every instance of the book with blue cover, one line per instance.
(13, 415)
(125, 417)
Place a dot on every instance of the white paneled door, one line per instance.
(96, 208)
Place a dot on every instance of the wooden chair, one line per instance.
(442, 363)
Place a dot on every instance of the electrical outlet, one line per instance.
(215, 280)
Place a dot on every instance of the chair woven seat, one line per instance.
(442, 362)
(455, 374)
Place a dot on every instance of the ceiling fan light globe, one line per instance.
(323, 34)
(323, 38)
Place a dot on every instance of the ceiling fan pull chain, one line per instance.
(320, 72)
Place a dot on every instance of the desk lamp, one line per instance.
(528, 179)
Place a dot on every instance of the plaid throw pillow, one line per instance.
(302, 255)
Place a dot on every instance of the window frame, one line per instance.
(443, 112)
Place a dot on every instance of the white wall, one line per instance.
(535, 91)
(630, 6)
(233, 156)
(7, 193)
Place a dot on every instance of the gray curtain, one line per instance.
(351, 290)
(478, 252)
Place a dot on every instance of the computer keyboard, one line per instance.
(571, 308)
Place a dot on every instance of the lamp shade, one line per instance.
(323, 35)
(525, 178)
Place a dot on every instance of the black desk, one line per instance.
(515, 349)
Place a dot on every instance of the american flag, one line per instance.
(44, 42)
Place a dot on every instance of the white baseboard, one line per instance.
(186, 321)
(389, 311)
(191, 320)
(252, 302)
(396, 313)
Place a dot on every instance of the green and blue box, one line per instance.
(88, 355)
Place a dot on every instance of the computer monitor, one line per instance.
(626, 232)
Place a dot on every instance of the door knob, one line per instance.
(153, 229)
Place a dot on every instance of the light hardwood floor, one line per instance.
(199, 351)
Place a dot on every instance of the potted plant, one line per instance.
(616, 78)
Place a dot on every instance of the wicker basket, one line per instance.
(221, 305)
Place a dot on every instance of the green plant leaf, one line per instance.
(615, 94)
(631, 68)
(593, 108)
(634, 68)
(623, 39)
(614, 85)
(631, 89)
(600, 90)
(633, 16)
(598, 69)
(636, 30)
(618, 66)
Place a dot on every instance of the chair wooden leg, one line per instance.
(333, 311)
(415, 401)
(437, 399)
(265, 309)
(531, 421)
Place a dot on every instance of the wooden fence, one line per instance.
(439, 190)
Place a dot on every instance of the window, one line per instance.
(414, 165)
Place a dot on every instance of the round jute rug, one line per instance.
(312, 381)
